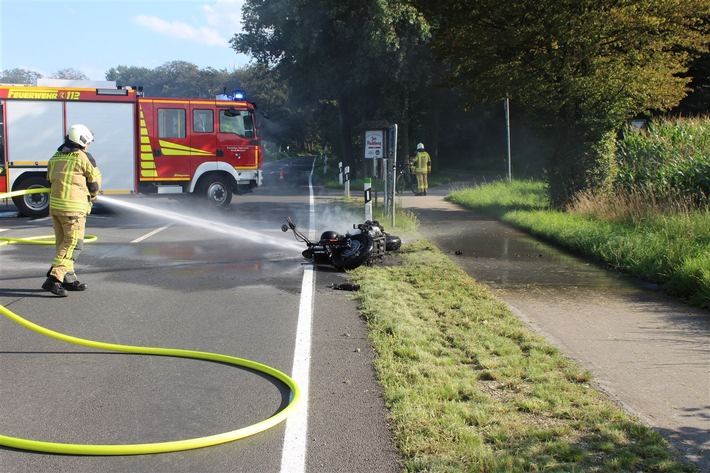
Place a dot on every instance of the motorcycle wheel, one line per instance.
(357, 255)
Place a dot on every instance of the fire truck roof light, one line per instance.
(239, 95)
(111, 92)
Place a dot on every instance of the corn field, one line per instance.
(669, 160)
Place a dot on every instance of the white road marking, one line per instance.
(293, 455)
(150, 234)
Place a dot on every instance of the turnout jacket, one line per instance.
(422, 162)
(75, 181)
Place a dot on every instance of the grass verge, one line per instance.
(671, 249)
(471, 389)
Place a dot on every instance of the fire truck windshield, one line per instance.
(239, 122)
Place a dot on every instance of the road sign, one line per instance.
(374, 144)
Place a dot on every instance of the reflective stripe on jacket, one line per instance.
(422, 162)
(74, 180)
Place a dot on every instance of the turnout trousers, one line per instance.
(69, 240)
(423, 181)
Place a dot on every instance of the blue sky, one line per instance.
(94, 36)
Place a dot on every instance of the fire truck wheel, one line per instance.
(32, 205)
(218, 192)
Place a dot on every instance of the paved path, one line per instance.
(648, 352)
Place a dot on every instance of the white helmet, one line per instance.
(420, 146)
(80, 135)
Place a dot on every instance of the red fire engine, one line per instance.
(206, 147)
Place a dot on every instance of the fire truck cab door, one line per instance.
(235, 136)
(199, 134)
(171, 141)
(203, 145)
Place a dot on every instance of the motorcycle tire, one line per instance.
(320, 257)
(357, 255)
(393, 243)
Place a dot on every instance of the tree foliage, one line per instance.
(325, 70)
(580, 67)
(69, 74)
(19, 76)
(697, 102)
(25, 76)
(358, 56)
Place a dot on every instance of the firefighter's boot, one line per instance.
(70, 283)
(74, 286)
(53, 285)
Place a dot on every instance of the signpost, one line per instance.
(368, 198)
(374, 144)
(507, 128)
(381, 148)
(392, 176)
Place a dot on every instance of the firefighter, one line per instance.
(75, 182)
(422, 168)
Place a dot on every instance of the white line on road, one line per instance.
(150, 234)
(293, 455)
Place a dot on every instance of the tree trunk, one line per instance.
(434, 137)
(346, 134)
(403, 132)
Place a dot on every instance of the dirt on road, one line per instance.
(648, 352)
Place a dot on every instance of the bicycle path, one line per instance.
(649, 353)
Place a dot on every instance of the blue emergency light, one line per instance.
(239, 95)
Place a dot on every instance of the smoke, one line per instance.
(339, 220)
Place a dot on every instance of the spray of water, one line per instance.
(218, 227)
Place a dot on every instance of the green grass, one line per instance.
(668, 248)
(357, 185)
(471, 389)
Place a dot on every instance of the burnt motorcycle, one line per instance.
(345, 252)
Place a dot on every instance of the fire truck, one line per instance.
(155, 146)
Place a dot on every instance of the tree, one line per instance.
(579, 67)
(131, 76)
(174, 79)
(19, 76)
(351, 54)
(697, 102)
(69, 73)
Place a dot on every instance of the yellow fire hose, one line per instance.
(36, 240)
(158, 447)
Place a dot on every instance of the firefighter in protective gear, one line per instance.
(422, 168)
(75, 182)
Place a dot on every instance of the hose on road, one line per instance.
(145, 448)
(35, 240)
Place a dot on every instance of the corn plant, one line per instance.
(670, 160)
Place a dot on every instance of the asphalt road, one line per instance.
(228, 283)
